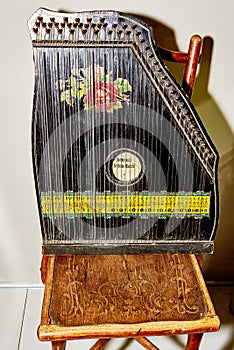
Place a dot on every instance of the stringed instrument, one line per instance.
(122, 162)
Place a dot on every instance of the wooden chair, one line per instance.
(97, 291)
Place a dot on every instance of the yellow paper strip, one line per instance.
(125, 204)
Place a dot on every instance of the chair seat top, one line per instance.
(125, 289)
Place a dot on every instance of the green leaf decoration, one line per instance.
(73, 92)
(67, 96)
(77, 90)
(72, 81)
(86, 106)
(118, 105)
(109, 77)
(81, 91)
(123, 85)
(64, 95)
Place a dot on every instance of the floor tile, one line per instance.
(224, 339)
(12, 301)
(31, 321)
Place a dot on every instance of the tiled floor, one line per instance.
(20, 312)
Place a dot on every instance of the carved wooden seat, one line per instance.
(106, 296)
(119, 246)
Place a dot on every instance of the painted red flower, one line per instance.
(94, 88)
(101, 95)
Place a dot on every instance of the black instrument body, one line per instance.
(122, 162)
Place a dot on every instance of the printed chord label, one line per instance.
(142, 204)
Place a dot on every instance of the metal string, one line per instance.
(40, 108)
(45, 104)
(52, 115)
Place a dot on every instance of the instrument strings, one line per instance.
(107, 133)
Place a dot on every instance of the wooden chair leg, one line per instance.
(194, 341)
(99, 344)
(58, 345)
(146, 343)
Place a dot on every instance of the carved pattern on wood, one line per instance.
(181, 302)
(117, 289)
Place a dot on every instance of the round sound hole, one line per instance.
(125, 166)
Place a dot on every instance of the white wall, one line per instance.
(19, 227)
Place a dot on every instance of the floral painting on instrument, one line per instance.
(95, 89)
